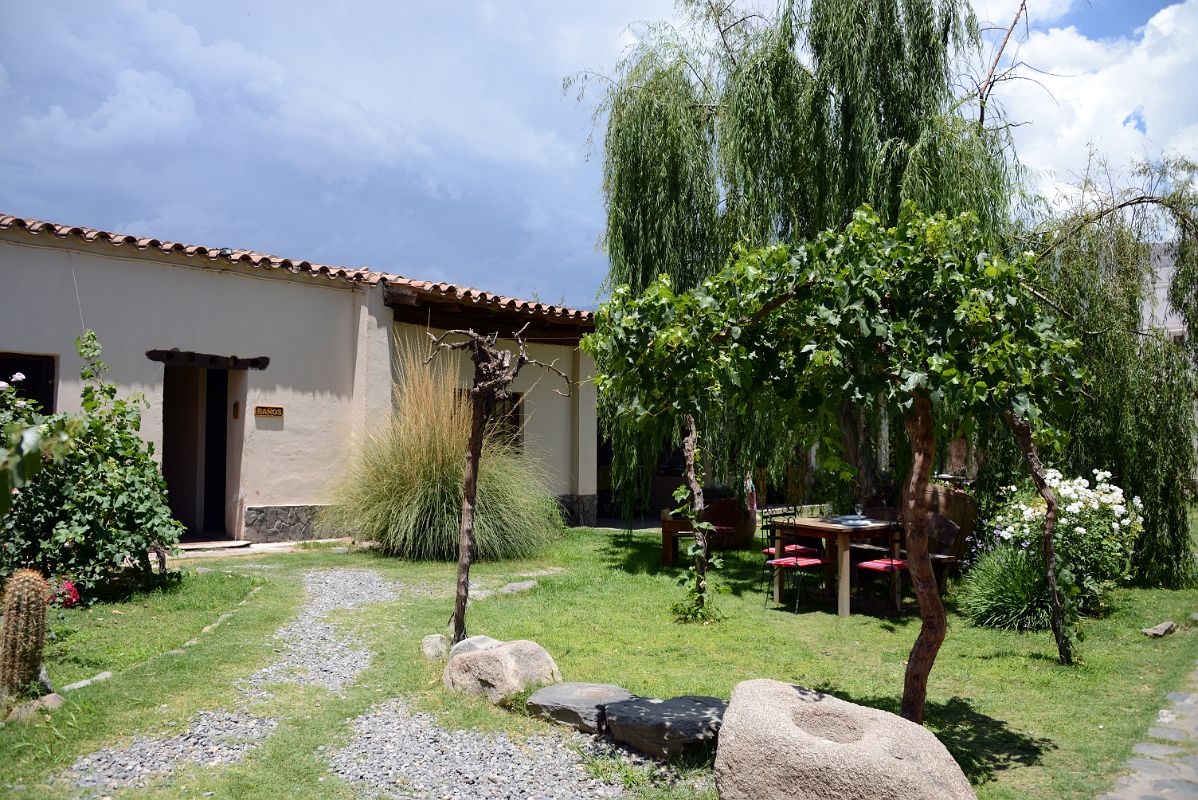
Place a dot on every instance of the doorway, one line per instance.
(195, 402)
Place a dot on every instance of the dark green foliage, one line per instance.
(24, 635)
(103, 506)
(1007, 589)
(1136, 417)
(744, 127)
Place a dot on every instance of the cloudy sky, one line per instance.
(433, 139)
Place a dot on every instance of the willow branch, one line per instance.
(1100, 214)
(988, 84)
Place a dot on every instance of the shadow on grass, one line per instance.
(640, 554)
(982, 745)
(126, 586)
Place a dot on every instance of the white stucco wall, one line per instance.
(330, 345)
(308, 327)
(560, 431)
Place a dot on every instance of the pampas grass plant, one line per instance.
(402, 487)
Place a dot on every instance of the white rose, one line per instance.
(3, 385)
(17, 377)
(20, 404)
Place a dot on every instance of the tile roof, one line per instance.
(426, 289)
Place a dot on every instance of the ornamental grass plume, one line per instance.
(402, 484)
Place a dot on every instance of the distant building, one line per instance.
(260, 371)
(1157, 313)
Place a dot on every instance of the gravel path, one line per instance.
(316, 654)
(398, 753)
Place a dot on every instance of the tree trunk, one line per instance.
(474, 447)
(689, 450)
(859, 447)
(920, 431)
(1023, 437)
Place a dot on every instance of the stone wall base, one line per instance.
(280, 523)
(581, 510)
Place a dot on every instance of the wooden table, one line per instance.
(789, 529)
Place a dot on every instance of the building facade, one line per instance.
(259, 371)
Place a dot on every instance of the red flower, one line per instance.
(64, 594)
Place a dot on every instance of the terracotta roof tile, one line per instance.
(269, 262)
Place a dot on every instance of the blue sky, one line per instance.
(438, 144)
(1111, 19)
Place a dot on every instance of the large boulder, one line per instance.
(666, 728)
(580, 705)
(780, 740)
(472, 643)
(501, 671)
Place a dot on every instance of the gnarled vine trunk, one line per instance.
(922, 434)
(1023, 437)
(494, 371)
(690, 446)
(474, 449)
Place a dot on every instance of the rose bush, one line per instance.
(1095, 537)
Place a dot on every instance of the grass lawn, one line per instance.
(1020, 725)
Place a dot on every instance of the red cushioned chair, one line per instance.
(889, 566)
(796, 566)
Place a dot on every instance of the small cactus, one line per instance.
(24, 633)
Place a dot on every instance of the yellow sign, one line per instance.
(268, 411)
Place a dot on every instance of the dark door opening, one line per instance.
(38, 379)
(194, 447)
(215, 442)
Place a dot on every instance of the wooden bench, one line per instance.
(734, 528)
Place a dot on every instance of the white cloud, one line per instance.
(143, 108)
(1130, 98)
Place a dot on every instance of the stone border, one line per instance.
(280, 523)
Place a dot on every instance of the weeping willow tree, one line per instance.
(739, 128)
(1104, 262)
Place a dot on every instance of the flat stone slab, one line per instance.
(522, 586)
(474, 643)
(667, 728)
(579, 705)
(103, 676)
(1163, 629)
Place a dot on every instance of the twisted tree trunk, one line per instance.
(922, 434)
(1023, 437)
(690, 446)
(474, 449)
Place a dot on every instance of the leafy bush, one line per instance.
(1094, 540)
(403, 485)
(103, 505)
(1007, 588)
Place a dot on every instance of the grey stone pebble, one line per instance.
(314, 653)
(399, 753)
(212, 738)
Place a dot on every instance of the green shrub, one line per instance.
(103, 505)
(1095, 534)
(1007, 588)
(402, 487)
